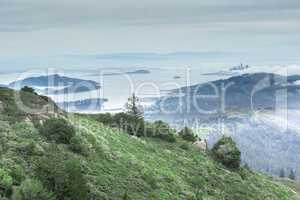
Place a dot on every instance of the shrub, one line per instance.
(105, 118)
(79, 145)
(76, 184)
(184, 146)
(28, 89)
(32, 190)
(58, 130)
(188, 135)
(131, 124)
(169, 137)
(226, 152)
(6, 182)
(62, 174)
(27, 148)
(164, 131)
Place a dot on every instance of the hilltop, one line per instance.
(105, 163)
(20, 106)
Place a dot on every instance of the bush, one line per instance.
(32, 190)
(62, 174)
(105, 118)
(163, 131)
(226, 152)
(28, 89)
(79, 145)
(169, 137)
(184, 146)
(131, 124)
(27, 148)
(58, 130)
(188, 135)
(6, 182)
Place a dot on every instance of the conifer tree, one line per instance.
(292, 175)
(133, 106)
(282, 173)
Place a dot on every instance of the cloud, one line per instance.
(96, 29)
(17, 15)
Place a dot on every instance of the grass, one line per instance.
(119, 167)
(15, 105)
(294, 185)
(153, 169)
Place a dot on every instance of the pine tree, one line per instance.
(292, 175)
(133, 106)
(282, 173)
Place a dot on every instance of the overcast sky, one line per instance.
(43, 33)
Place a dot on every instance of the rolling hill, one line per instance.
(105, 163)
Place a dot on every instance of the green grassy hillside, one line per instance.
(104, 163)
(294, 185)
(14, 106)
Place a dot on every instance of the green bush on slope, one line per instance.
(6, 182)
(58, 130)
(32, 190)
(188, 134)
(226, 152)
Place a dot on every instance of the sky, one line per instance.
(98, 33)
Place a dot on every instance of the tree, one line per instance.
(281, 173)
(133, 106)
(292, 175)
(188, 134)
(226, 152)
(58, 129)
(28, 89)
(131, 124)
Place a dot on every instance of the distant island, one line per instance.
(118, 73)
(56, 84)
(140, 71)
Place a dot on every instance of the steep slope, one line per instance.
(105, 163)
(152, 169)
(16, 106)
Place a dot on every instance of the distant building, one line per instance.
(240, 67)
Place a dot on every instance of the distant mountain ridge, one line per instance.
(262, 113)
(244, 92)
